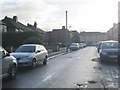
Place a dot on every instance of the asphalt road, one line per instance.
(76, 69)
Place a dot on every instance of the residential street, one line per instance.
(76, 69)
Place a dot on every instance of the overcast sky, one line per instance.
(83, 15)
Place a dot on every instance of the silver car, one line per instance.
(30, 55)
(74, 46)
(109, 50)
(8, 64)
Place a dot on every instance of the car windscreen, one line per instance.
(73, 44)
(26, 49)
(110, 45)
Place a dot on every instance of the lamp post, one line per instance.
(66, 34)
(66, 19)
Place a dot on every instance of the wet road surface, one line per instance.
(76, 69)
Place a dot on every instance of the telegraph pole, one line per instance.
(66, 20)
(119, 22)
(66, 34)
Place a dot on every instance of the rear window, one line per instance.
(107, 45)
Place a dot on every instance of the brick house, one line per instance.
(59, 36)
(112, 33)
(92, 37)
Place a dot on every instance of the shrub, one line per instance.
(15, 39)
(32, 40)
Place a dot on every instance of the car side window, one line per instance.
(40, 48)
(43, 48)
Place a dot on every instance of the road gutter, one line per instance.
(56, 55)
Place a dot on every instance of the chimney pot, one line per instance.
(35, 24)
(15, 18)
(63, 27)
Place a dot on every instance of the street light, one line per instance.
(66, 34)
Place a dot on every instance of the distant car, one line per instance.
(30, 55)
(94, 44)
(9, 64)
(81, 45)
(74, 46)
(84, 44)
(109, 50)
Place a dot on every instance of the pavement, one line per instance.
(55, 54)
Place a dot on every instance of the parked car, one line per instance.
(74, 46)
(8, 64)
(30, 55)
(81, 45)
(84, 44)
(109, 50)
(94, 44)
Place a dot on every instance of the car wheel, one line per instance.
(45, 61)
(33, 63)
(13, 72)
(101, 59)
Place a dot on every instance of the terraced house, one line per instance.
(12, 25)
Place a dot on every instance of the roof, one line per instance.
(36, 29)
(2, 23)
(31, 45)
(9, 22)
(90, 33)
(109, 41)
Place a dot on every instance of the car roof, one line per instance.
(31, 45)
(109, 41)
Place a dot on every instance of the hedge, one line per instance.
(15, 39)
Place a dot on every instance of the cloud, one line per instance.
(50, 14)
(29, 11)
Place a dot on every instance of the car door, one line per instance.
(5, 62)
(0, 63)
(38, 53)
(44, 52)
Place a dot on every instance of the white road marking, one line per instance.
(48, 77)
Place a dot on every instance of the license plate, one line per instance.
(113, 56)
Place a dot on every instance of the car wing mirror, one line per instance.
(38, 51)
(5, 54)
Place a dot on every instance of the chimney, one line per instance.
(63, 27)
(15, 18)
(35, 24)
(28, 24)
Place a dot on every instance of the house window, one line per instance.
(3, 28)
(16, 30)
